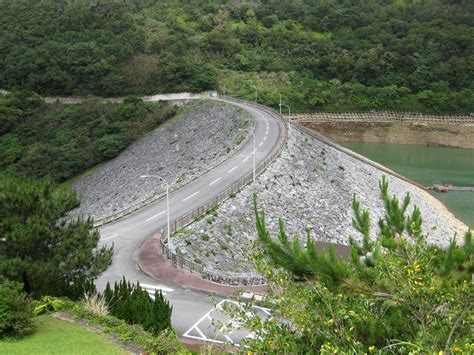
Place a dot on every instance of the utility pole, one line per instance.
(254, 149)
(167, 205)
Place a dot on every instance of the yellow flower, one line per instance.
(372, 348)
(441, 352)
(329, 322)
(351, 328)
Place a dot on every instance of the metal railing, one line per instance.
(383, 116)
(181, 261)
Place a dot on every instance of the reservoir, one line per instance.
(426, 165)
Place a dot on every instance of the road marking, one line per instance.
(156, 287)
(112, 236)
(194, 194)
(260, 144)
(216, 180)
(231, 170)
(245, 159)
(265, 138)
(211, 333)
(156, 215)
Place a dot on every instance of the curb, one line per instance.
(161, 260)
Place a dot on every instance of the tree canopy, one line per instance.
(61, 141)
(39, 248)
(320, 54)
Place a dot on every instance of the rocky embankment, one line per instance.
(183, 148)
(310, 185)
(416, 133)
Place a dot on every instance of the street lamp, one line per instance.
(254, 149)
(167, 203)
(256, 93)
(280, 105)
(289, 117)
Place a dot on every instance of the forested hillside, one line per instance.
(60, 141)
(320, 54)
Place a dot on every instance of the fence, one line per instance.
(383, 116)
(191, 216)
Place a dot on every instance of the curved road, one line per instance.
(129, 233)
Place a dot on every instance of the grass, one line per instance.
(54, 336)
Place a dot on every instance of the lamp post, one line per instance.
(289, 117)
(254, 149)
(167, 203)
(280, 105)
(256, 93)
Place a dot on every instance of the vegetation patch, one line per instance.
(54, 336)
(61, 141)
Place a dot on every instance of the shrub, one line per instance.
(16, 310)
(135, 306)
(95, 303)
(49, 304)
(165, 343)
(395, 293)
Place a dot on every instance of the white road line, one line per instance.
(216, 180)
(194, 194)
(200, 320)
(201, 333)
(112, 236)
(156, 215)
(260, 144)
(157, 287)
(231, 170)
(265, 138)
(245, 159)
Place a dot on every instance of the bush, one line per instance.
(16, 310)
(165, 343)
(135, 306)
(49, 304)
(95, 303)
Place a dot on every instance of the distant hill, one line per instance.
(320, 54)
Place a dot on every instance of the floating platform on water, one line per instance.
(449, 187)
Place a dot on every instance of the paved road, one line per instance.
(129, 233)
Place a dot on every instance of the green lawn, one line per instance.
(54, 336)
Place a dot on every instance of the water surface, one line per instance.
(426, 165)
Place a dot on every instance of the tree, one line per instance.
(39, 246)
(395, 294)
(16, 310)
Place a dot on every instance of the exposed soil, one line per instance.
(432, 134)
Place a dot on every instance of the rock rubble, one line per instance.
(180, 150)
(310, 185)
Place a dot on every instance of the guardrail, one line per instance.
(179, 260)
(383, 116)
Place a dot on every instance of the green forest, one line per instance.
(61, 141)
(333, 55)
